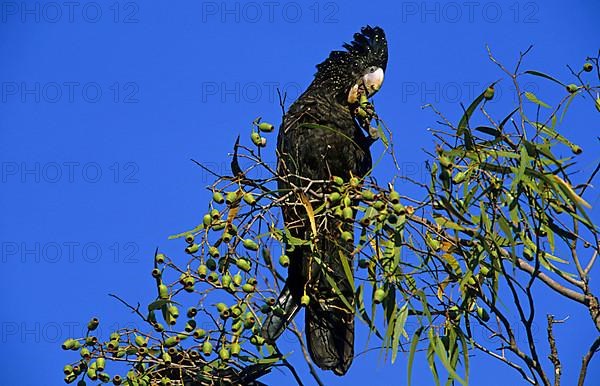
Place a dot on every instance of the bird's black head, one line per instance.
(364, 61)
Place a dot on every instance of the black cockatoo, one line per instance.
(321, 137)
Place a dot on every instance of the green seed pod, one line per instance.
(191, 312)
(249, 321)
(103, 377)
(231, 198)
(488, 94)
(237, 279)
(232, 228)
(248, 288)
(257, 340)
(93, 324)
(363, 263)
(337, 212)
(207, 220)
(70, 378)
(250, 244)
(378, 205)
(221, 307)
(173, 311)
(190, 325)
(115, 336)
(158, 327)
(172, 341)
(163, 291)
(346, 201)
(284, 260)
(85, 353)
(339, 181)
(587, 67)
(189, 238)
(348, 214)
(192, 249)
(224, 354)
(68, 369)
(68, 344)
(365, 221)
(199, 333)
(202, 270)
(347, 236)
(156, 273)
(235, 349)
(265, 127)
(117, 380)
(218, 197)
(236, 311)
(367, 195)
(394, 197)
(571, 88)
(257, 139)
(165, 382)
(166, 357)
(215, 214)
(237, 327)
(211, 264)
(305, 300)
(399, 209)
(354, 182)
(141, 341)
(214, 252)
(100, 364)
(249, 199)
(271, 301)
(220, 225)
(226, 280)
(226, 237)
(334, 197)
(160, 258)
(91, 374)
(379, 295)
(225, 314)
(576, 149)
(483, 314)
(207, 347)
(243, 264)
(112, 345)
(91, 340)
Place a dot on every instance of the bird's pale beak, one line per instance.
(373, 81)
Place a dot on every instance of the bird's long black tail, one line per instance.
(329, 320)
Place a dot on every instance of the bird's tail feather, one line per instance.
(330, 337)
(277, 322)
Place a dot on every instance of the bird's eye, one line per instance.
(372, 69)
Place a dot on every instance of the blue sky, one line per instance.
(104, 103)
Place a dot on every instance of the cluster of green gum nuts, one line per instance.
(261, 127)
(381, 208)
(90, 366)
